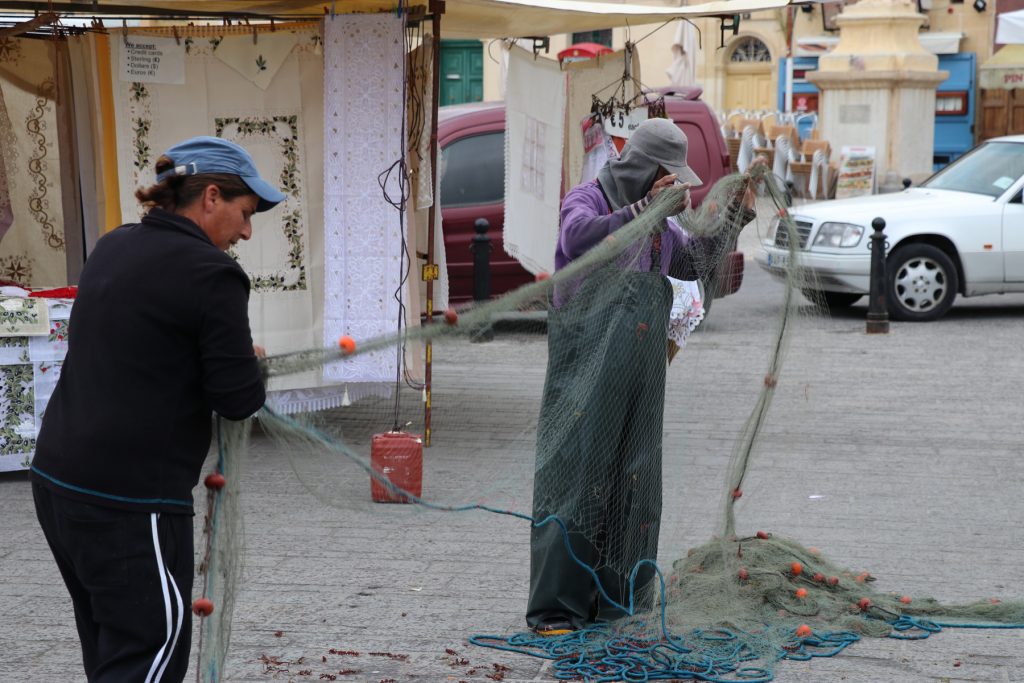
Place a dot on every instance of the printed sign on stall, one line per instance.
(856, 172)
(621, 123)
(152, 59)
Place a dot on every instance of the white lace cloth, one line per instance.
(363, 138)
(687, 310)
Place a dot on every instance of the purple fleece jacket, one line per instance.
(586, 219)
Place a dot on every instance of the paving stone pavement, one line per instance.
(899, 453)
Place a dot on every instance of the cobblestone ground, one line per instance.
(900, 454)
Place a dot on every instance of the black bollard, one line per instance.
(878, 311)
(907, 182)
(481, 248)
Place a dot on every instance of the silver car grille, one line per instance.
(803, 230)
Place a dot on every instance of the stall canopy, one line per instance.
(1004, 69)
(462, 18)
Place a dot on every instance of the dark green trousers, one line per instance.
(599, 448)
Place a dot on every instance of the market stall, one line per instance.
(85, 110)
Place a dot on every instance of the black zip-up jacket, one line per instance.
(159, 338)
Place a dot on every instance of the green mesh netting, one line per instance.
(730, 609)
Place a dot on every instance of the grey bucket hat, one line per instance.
(666, 144)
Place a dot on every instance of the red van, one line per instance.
(471, 138)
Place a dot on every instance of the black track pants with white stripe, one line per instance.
(130, 579)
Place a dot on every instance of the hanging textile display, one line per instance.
(32, 248)
(363, 231)
(88, 142)
(534, 126)
(173, 84)
(30, 364)
(71, 200)
(601, 77)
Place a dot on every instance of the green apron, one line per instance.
(598, 465)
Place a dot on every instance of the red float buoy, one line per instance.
(215, 480)
(202, 607)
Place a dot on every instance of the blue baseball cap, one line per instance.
(206, 154)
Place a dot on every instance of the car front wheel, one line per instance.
(922, 282)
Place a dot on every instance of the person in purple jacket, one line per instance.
(598, 467)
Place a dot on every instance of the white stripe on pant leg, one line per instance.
(167, 600)
(177, 627)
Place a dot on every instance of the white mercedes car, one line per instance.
(959, 232)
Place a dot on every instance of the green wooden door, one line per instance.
(462, 71)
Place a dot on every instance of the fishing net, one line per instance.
(727, 611)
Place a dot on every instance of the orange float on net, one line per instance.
(819, 577)
(905, 599)
(215, 480)
(796, 568)
(542, 276)
(202, 607)
(803, 631)
(763, 535)
(451, 317)
(801, 592)
(347, 345)
(833, 581)
(743, 574)
(864, 603)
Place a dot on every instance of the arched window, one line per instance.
(750, 49)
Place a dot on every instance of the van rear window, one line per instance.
(473, 171)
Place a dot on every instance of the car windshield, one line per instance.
(989, 169)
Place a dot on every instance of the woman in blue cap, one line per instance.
(161, 340)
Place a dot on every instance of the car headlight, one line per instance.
(838, 235)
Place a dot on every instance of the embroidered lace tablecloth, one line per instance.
(687, 310)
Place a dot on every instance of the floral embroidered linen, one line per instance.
(29, 369)
(687, 310)
(20, 317)
(32, 249)
(282, 129)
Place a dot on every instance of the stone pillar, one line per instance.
(878, 89)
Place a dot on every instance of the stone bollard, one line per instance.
(878, 311)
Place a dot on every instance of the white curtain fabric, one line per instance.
(683, 70)
(534, 131)
(82, 54)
